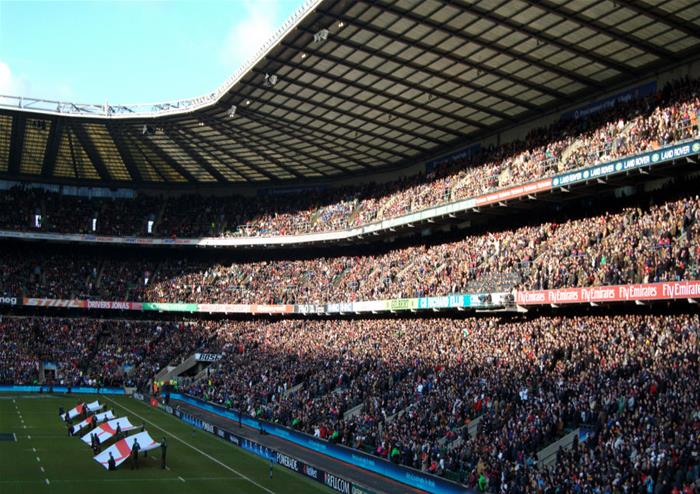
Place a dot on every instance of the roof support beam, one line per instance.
(166, 157)
(286, 128)
(552, 40)
(398, 80)
(124, 152)
(449, 56)
(586, 81)
(264, 150)
(363, 103)
(131, 141)
(366, 87)
(51, 151)
(355, 116)
(658, 15)
(92, 153)
(229, 134)
(19, 124)
(601, 28)
(172, 132)
(326, 120)
(306, 132)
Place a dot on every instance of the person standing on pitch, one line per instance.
(163, 450)
(111, 464)
(135, 454)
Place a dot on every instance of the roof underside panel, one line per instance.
(36, 133)
(5, 136)
(392, 83)
(108, 151)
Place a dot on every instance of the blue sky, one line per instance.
(130, 51)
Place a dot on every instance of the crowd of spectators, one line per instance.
(633, 245)
(636, 126)
(471, 399)
(76, 352)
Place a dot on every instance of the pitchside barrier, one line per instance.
(405, 475)
(333, 481)
(62, 389)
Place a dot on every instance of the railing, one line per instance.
(105, 110)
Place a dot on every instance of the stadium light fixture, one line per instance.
(270, 80)
(247, 102)
(341, 24)
(231, 111)
(321, 36)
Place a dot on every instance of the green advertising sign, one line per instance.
(165, 307)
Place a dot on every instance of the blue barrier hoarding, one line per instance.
(61, 389)
(357, 458)
(332, 481)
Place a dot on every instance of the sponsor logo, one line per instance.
(104, 304)
(288, 461)
(8, 300)
(336, 483)
(310, 471)
(358, 490)
(208, 357)
(207, 427)
(423, 481)
(234, 439)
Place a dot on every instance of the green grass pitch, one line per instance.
(44, 459)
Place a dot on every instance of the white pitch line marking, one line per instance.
(42, 469)
(47, 481)
(38, 459)
(181, 479)
(193, 447)
(34, 450)
(167, 468)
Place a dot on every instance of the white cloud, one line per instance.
(248, 34)
(11, 84)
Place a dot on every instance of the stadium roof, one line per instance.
(393, 81)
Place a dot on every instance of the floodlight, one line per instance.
(321, 36)
(270, 80)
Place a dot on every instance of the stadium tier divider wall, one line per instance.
(519, 299)
(61, 389)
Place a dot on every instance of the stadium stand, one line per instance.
(635, 245)
(501, 396)
(668, 116)
(630, 381)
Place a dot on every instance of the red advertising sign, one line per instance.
(106, 304)
(612, 293)
(513, 192)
